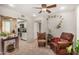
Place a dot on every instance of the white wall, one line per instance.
(44, 25)
(68, 25)
(30, 29)
(36, 29)
(78, 22)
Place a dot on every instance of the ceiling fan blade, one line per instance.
(48, 11)
(51, 6)
(44, 5)
(38, 7)
(40, 12)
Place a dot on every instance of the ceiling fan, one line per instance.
(45, 8)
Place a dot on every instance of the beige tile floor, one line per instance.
(31, 48)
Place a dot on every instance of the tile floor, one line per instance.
(31, 48)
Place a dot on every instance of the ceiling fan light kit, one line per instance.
(45, 8)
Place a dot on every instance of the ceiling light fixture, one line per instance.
(44, 9)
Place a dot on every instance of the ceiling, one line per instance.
(29, 10)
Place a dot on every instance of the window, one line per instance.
(6, 26)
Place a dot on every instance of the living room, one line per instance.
(33, 18)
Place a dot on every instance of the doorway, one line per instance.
(37, 28)
(22, 29)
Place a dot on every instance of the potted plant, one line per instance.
(2, 34)
(77, 47)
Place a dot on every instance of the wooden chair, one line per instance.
(41, 39)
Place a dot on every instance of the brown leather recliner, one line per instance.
(58, 45)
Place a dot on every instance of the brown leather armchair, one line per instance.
(41, 39)
(58, 45)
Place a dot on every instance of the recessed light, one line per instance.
(11, 5)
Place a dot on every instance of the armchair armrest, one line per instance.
(64, 44)
(70, 43)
